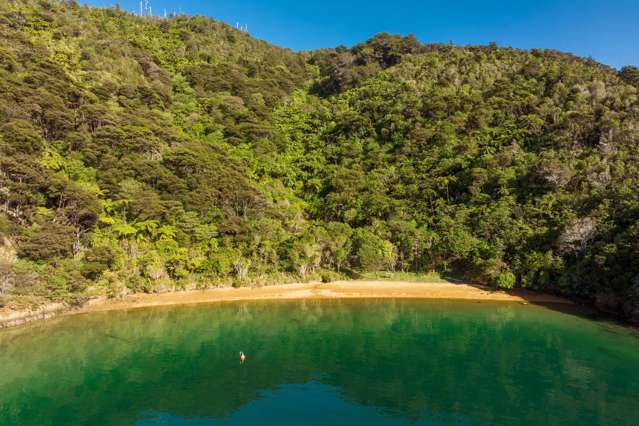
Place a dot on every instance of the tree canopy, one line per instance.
(143, 153)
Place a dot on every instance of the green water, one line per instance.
(322, 363)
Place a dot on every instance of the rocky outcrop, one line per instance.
(12, 318)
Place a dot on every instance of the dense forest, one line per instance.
(145, 154)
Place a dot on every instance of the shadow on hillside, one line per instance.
(554, 302)
(561, 304)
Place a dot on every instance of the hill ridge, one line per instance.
(139, 154)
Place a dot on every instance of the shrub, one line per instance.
(25, 278)
(329, 276)
(46, 242)
(5, 226)
(96, 261)
(506, 280)
(64, 279)
(136, 283)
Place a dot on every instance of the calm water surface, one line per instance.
(320, 363)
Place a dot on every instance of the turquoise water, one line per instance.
(322, 363)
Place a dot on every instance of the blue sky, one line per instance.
(604, 30)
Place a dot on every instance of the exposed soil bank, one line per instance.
(335, 290)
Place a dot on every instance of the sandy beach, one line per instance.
(315, 290)
(335, 290)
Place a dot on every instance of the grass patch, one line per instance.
(424, 277)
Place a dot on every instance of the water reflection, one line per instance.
(309, 404)
(386, 362)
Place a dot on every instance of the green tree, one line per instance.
(374, 253)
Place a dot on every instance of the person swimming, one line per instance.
(242, 357)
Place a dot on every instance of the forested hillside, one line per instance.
(141, 154)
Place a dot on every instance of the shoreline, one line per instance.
(313, 290)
